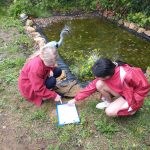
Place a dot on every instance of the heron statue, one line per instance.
(55, 44)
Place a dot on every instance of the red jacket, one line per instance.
(134, 87)
(32, 81)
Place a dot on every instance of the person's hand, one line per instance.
(71, 102)
(51, 74)
(58, 99)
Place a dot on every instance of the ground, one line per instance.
(23, 126)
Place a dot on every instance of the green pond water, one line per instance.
(98, 36)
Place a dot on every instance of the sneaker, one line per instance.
(103, 99)
(102, 105)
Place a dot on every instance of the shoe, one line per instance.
(102, 105)
(103, 99)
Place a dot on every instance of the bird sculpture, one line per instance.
(55, 44)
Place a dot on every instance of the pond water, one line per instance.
(100, 37)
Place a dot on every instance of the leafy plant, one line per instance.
(8, 22)
(83, 70)
(7, 63)
(36, 7)
(24, 40)
(64, 137)
(20, 6)
(105, 127)
(51, 147)
(10, 78)
(38, 115)
(11, 63)
(42, 8)
(139, 18)
(140, 6)
(106, 4)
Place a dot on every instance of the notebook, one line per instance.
(67, 114)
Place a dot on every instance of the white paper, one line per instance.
(67, 114)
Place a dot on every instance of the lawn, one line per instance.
(25, 126)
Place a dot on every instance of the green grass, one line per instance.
(95, 131)
(51, 147)
(8, 22)
(38, 115)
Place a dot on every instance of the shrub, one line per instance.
(20, 6)
(36, 7)
(139, 18)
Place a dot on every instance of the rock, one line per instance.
(62, 76)
(37, 39)
(29, 29)
(35, 27)
(70, 89)
(4, 127)
(147, 32)
(126, 24)
(141, 30)
(23, 16)
(110, 13)
(133, 26)
(105, 13)
(35, 34)
(41, 43)
(29, 22)
(120, 22)
(73, 91)
(110, 17)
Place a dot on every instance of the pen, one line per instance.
(60, 101)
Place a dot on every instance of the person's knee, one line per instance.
(50, 82)
(100, 85)
(109, 112)
(57, 72)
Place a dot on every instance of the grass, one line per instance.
(95, 131)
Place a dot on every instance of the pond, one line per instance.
(95, 36)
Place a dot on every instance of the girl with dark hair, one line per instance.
(122, 87)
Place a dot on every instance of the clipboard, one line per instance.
(67, 114)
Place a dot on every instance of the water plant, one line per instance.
(83, 69)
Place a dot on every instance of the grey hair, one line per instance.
(38, 52)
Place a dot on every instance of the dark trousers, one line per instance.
(51, 81)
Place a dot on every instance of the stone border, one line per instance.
(44, 22)
(129, 26)
(31, 30)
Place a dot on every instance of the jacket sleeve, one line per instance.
(39, 87)
(137, 88)
(87, 91)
